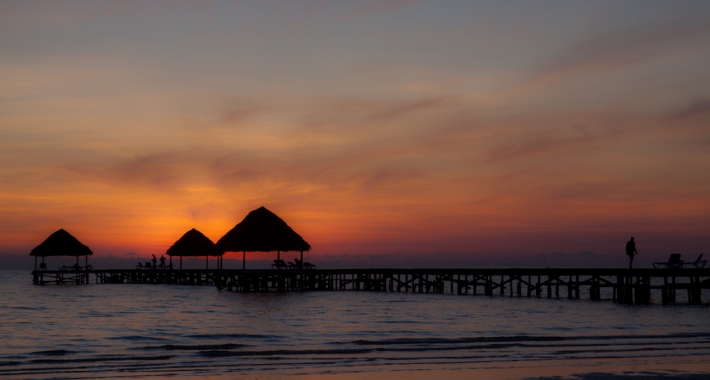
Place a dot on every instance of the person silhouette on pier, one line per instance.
(154, 261)
(162, 262)
(631, 251)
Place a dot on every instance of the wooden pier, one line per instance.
(636, 286)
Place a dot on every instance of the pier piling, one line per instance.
(637, 286)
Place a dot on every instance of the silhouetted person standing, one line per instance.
(162, 261)
(631, 251)
(154, 260)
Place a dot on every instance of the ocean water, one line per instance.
(155, 331)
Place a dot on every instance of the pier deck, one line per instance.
(636, 286)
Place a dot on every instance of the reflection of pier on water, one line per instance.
(631, 286)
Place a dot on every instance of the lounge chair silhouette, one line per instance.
(308, 265)
(674, 261)
(299, 263)
(699, 263)
(279, 264)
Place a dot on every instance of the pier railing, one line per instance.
(635, 286)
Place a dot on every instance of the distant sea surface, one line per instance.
(155, 331)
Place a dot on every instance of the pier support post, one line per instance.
(694, 291)
(624, 289)
(619, 290)
(489, 286)
(643, 290)
(664, 291)
(529, 287)
(538, 289)
(595, 289)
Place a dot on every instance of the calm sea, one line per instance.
(128, 331)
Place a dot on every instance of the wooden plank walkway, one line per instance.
(636, 286)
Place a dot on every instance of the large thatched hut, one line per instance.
(262, 231)
(195, 243)
(61, 243)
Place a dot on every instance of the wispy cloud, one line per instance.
(618, 50)
(549, 141)
(401, 109)
(369, 8)
(164, 170)
(696, 109)
(237, 112)
(371, 114)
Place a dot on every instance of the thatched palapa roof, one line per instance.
(262, 231)
(194, 243)
(61, 243)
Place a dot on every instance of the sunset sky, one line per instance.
(460, 128)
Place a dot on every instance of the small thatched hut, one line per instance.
(61, 243)
(262, 231)
(194, 243)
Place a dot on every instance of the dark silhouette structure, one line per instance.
(262, 231)
(62, 243)
(195, 243)
(699, 262)
(620, 285)
(631, 251)
(674, 262)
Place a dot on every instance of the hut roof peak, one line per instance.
(194, 243)
(263, 231)
(61, 243)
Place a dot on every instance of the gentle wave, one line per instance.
(94, 359)
(53, 353)
(195, 347)
(231, 336)
(219, 353)
(520, 338)
(136, 338)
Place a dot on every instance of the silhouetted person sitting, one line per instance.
(162, 261)
(154, 262)
(631, 251)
